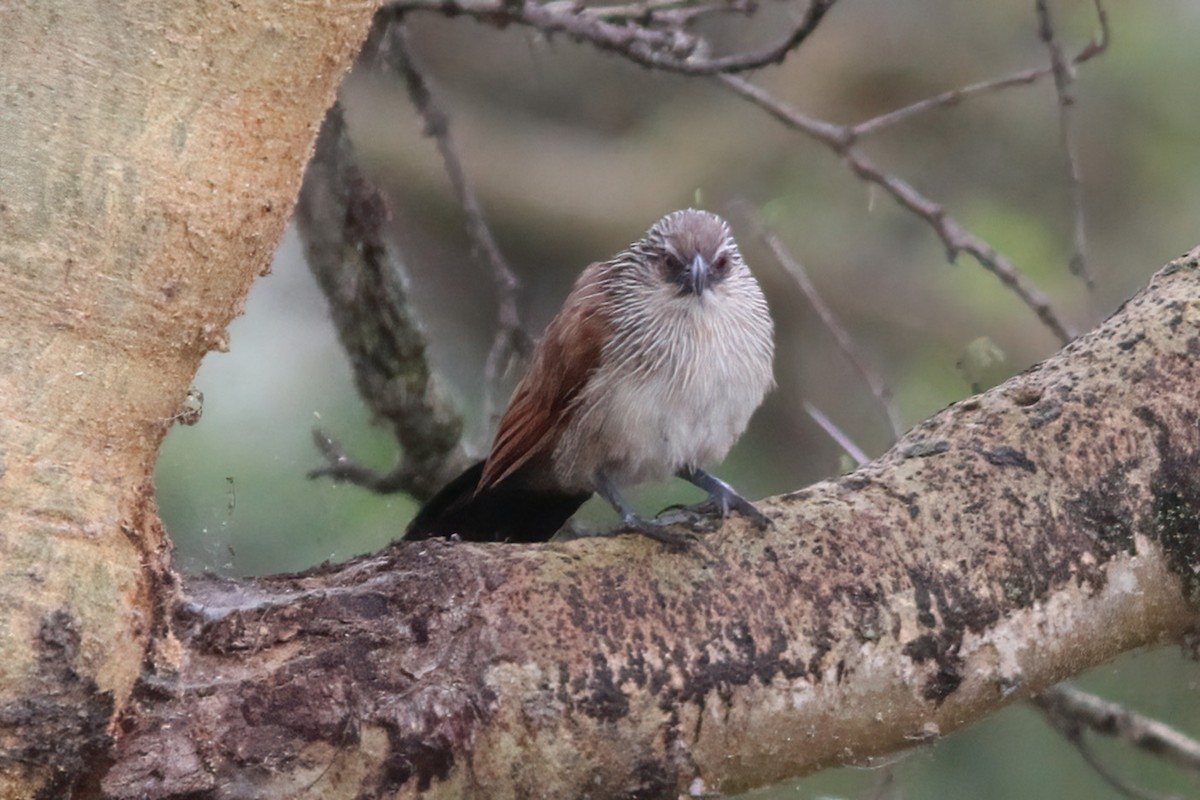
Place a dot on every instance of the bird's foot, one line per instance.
(722, 498)
(716, 507)
(699, 517)
(659, 530)
(741, 505)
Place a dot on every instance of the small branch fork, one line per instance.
(954, 236)
(652, 34)
(843, 138)
(1073, 712)
(954, 97)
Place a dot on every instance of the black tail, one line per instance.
(508, 512)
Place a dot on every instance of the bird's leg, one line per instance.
(722, 498)
(631, 521)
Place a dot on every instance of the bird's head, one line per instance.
(691, 251)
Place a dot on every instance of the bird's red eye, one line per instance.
(721, 263)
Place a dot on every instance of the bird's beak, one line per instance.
(697, 275)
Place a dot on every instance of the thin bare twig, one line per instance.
(1110, 776)
(953, 97)
(1063, 79)
(1072, 723)
(881, 391)
(510, 338)
(1113, 719)
(954, 236)
(886, 786)
(671, 48)
(654, 15)
(652, 12)
(946, 99)
(835, 433)
(774, 54)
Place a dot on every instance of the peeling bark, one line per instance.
(1014, 539)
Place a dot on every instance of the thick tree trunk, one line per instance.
(151, 155)
(1011, 541)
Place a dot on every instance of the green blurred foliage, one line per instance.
(232, 489)
(575, 153)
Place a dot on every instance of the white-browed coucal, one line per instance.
(652, 368)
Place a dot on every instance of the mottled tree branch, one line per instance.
(341, 215)
(1012, 540)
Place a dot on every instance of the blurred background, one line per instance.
(574, 153)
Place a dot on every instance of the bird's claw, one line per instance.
(716, 506)
(660, 531)
(704, 516)
(751, 512)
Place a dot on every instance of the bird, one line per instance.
(652, 368)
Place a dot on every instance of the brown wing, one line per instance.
(543, 402)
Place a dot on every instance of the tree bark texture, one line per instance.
(340, 217)
(151, 156)
(1014, 539)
